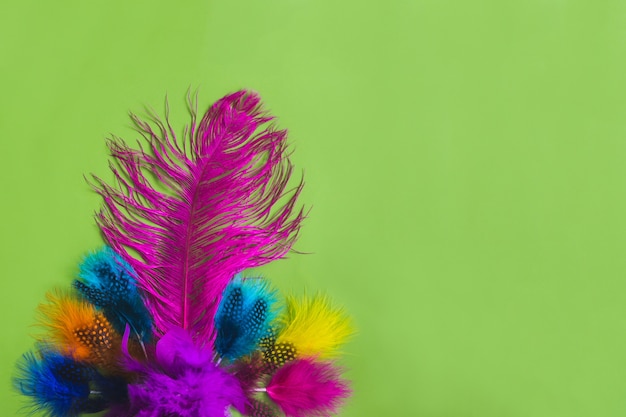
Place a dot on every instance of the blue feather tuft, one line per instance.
(106, 281)
(243, 316)
(62, 387)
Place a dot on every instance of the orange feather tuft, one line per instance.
(78, 329)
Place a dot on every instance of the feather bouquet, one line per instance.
(161, 322)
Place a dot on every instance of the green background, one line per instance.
(465, 162)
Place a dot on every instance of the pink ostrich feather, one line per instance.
(189, 214)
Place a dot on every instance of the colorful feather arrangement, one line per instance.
(185, 218)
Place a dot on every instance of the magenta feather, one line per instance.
(306, 388)
(188, 215)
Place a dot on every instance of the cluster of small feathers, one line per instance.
(161, 322)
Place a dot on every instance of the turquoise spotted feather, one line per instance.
(243, 316)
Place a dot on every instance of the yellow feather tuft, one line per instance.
(79, 330)
(313, 326)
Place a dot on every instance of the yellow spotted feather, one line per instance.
(313, 327)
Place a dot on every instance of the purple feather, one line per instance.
(183, 382)
(306, 388)
(188, 215)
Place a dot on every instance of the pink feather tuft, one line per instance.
(306, 388)
(189, 215)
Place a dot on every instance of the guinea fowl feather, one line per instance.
(243, 316)
(77, 329)
(107, 282)
(313, 326)
(60, 386)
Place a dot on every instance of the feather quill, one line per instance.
(306, 388)
(312, 326)
(189, 215)
(107, 282)
(243, 316)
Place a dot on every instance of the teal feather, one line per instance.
(107, 282)
(244, 316)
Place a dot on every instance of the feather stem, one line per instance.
(143, 346)
(184, 295)
(139, 338)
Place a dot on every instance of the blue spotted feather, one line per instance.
(59, 386)
(244, 316)
(107, 282)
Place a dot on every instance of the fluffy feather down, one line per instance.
(183, 382)
(77, 329)
(42, 380)
(313, 326)
(59, 386)
(305, 388)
